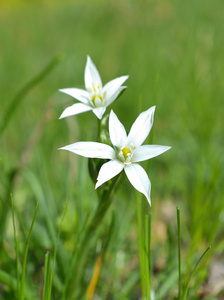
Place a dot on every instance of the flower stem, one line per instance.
(72, 283)
(147, 258)
(99, 130)
(141, 245)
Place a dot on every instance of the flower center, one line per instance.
(95, 95)
(126, 152)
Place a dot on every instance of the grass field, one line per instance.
(173, 53)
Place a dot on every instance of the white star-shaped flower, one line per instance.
(96, 97)
(126, 152)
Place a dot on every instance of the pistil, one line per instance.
(126, 152)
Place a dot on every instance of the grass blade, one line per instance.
(16, 246)
(22, 282)
(98, 265)
(80, 254)
(56, 245)
(47, 272)
(22, 93)
(195, 267)
(179, 253)
(11, 282)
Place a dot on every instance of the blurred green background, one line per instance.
(173, 52)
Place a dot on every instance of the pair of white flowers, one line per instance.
(126, 150)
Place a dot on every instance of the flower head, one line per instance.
(126, 152)
(96, 97)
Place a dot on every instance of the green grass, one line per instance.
(173, 52)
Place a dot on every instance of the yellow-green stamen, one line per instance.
(96, 93)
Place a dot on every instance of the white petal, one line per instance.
(108, 171)
(78, 94)
(118, 135)
(99, 111)
(75, 109)
(97, 101)
(139, 179)
(141, 127)
(91, 74)
(148, 151)
(115, 95)
(112, 88)
(91, 150)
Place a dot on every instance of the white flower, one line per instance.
(96, 97)
(126, 152)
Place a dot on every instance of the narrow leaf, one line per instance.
(16, 246)
(193, 271)
(16, 101)
(22, 282)
(179, 253)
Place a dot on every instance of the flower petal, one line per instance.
(78, 94)
(141, 127)
(75, 109)
(108, 171)
(112, 88)
(148, 151)
(99, 111)
(91, 150)
(118, 135)
(115, 95)
(139, 179)
(91, 74)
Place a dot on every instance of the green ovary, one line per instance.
(96, 96)
(126, 152)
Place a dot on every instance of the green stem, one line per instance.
(179, 253)
(148, 255)
(47, 267)
(79, 258)
(141, 246)
(99, 130)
